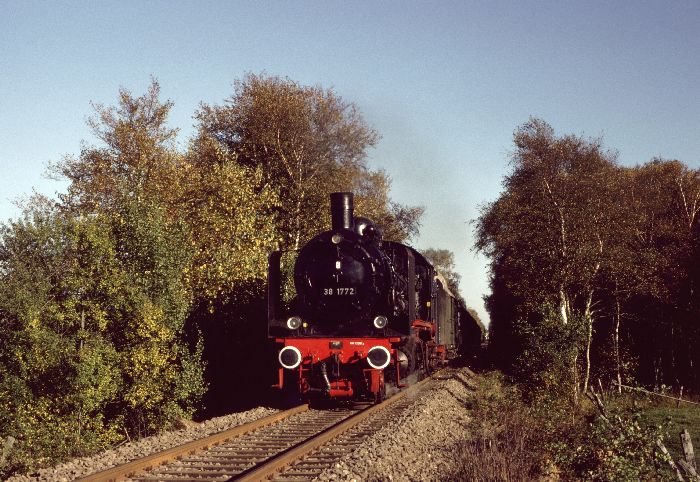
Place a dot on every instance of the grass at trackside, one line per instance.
(684, 417)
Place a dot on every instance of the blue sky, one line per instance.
(445, 83)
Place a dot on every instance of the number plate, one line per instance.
(338, 291)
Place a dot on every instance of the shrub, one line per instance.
(545, 368)
(617, 447)
(510, 440)
(93, 311)
(504, 440)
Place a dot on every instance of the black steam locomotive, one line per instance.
(354, 308)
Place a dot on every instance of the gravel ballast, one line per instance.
(419, 446)
(133, 450)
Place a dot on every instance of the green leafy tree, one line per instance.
(307, 142)
(61, 373)
(136, 160)
(134, 178)
(614, 249)
(549, 233)
(163, 372)
(231, 212)
(93, 309)
(95, 294)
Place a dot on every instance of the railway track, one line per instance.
(294, 445)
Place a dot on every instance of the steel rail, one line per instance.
(277, 463)
(129, 469)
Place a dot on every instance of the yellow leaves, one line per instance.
(99, 318)
(151, 324)
(224, 214)
(149, 366)
(33, 323)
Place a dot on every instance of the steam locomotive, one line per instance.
(350, 312)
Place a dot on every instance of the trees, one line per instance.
(301, 137)
(549, 233)
(133, 180)
(665, 195)
(137, 158)
(108, 296)
(93, 297)
(612, 250)
(307, 142)
(92, 309)
(231, 214)
(162, 367)
(60, 372)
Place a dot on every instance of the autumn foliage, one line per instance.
(122, 302)
(595, 260)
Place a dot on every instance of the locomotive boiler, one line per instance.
(351, 312)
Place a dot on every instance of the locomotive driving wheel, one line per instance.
(415, 352)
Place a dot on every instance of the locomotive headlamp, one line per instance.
(380, 321)
(290, 357)
(293, 322)
(378, 357)
(336, 238)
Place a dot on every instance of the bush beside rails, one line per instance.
(509, 439)
(93, 350)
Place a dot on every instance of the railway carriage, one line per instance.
(350, 312)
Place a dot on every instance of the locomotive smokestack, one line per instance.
(341, 210)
